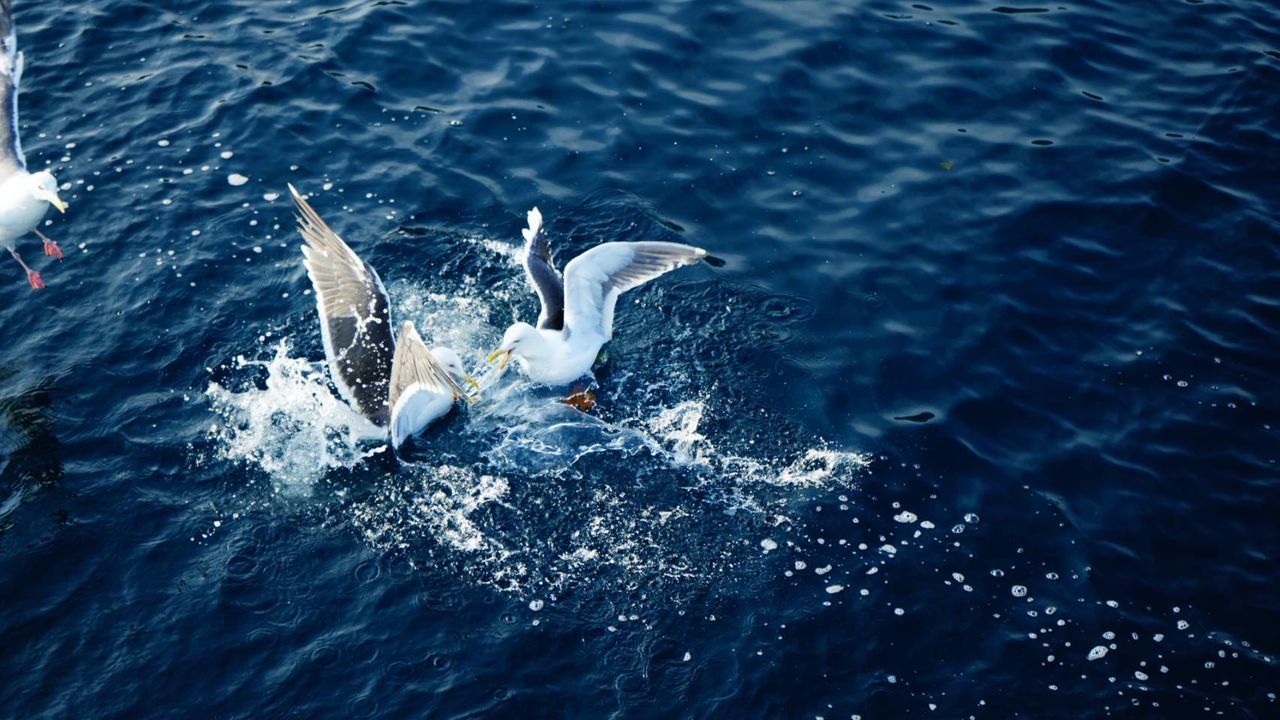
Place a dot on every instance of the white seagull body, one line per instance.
(398, 385)
(25, 197)
(576, 318)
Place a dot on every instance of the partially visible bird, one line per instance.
(25, 197)
(396, 384)
(576, 318)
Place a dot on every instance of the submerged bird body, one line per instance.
(576, 319)
(397, 384)
(25, 196)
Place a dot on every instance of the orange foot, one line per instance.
(50, 247)
(582, 399)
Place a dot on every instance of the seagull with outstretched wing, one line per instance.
(396, 384)
(576, 318)
(25, 197)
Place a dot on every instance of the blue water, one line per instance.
(989, 381)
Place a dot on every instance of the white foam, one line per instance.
(294, 429)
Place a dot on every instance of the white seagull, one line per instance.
(576, 319)
(398, 385)
(25, 197)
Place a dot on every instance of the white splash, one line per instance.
(294, 428)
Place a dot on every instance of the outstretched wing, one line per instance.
(355, 315)
(543, 274)
(594, 280)
(11, 158)
(421, 389)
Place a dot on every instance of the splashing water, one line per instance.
(293, 428)
(520, 491)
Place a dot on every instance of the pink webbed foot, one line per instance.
(37, 282)
(50, 247)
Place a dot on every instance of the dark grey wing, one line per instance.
(11, 157)
(355, 316)
(543, 274)
(596, 278)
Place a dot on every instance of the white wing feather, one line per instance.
(594, 280)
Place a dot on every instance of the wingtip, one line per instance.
(713, 261)
(294, 191)
(534, 218)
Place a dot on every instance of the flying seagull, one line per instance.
(576, 318)
(25, 197)
(396, 384)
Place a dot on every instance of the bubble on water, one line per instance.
(535, 605)
(1183, 624)
(236, 179)
(1018, 591)
(971, 518)
(768, 544)
(1098, 652)
(833, 589)
(905, 517)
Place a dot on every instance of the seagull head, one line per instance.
(521, 340)
(452, 364)
(45, 187)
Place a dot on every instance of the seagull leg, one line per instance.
(33, 277)
(50, 247)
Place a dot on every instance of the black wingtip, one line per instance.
(714, 261)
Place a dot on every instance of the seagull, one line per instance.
(397, 384)
(576, 318)
(25, 197)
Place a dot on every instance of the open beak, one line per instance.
(505, 356)
(57, 202)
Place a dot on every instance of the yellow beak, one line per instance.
(504, 354)
(472, 382)
(57, 202)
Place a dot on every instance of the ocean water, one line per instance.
(979, 420)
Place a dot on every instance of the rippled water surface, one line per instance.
(980, 419)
